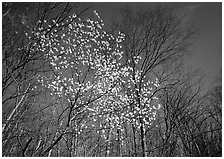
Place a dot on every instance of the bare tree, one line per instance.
(23, 58)
(153, 38)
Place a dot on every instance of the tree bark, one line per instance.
(142, 138)
(134, 140)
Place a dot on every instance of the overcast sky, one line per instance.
(207, 50)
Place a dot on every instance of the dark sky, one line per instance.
(207, 50)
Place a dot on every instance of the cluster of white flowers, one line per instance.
(86, 64)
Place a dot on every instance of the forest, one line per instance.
(73, 86)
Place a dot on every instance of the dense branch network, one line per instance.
(87, 71)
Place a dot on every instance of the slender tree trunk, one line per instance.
(108, 144)
(15, 109)
(134, 140)
(118, 143)
(75, 141)
(142, 138)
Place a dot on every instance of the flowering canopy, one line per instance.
(87, 70)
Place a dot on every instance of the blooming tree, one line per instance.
(84, 91)
(84, 60)
(88, 74)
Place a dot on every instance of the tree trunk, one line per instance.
(134, 140)
(118, 144)
(142, 138)
(108, 144)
